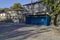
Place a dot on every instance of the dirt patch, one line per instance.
(57, 30)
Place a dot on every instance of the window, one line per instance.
(9, 11)
(29, 7)
(19, 12)
(3, 14)
(13, 14)
(36, 6)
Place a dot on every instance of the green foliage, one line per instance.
(54, 6)
(5, 8)
(16, 6)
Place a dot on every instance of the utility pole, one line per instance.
(38, 6)
(32, 8)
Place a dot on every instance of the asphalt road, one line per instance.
(12, 31)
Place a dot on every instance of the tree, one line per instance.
(53, 4)
(54, 9)
(16, 6)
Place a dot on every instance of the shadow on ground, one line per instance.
(4, 27)
(13, 34)
(8, 31)
(20, 35)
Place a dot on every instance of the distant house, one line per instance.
(3, 16)
(36, 8)
(12, 14)
(16, 14)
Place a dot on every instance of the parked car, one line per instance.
(15, 20)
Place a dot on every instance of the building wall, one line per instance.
(3, 16)
(37, 7)
(17, 15)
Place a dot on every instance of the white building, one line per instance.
(36, 7)
(3, 16)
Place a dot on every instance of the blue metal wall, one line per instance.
(38, 19)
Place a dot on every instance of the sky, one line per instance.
(9, 3)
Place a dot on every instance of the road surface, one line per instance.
(26, 32)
